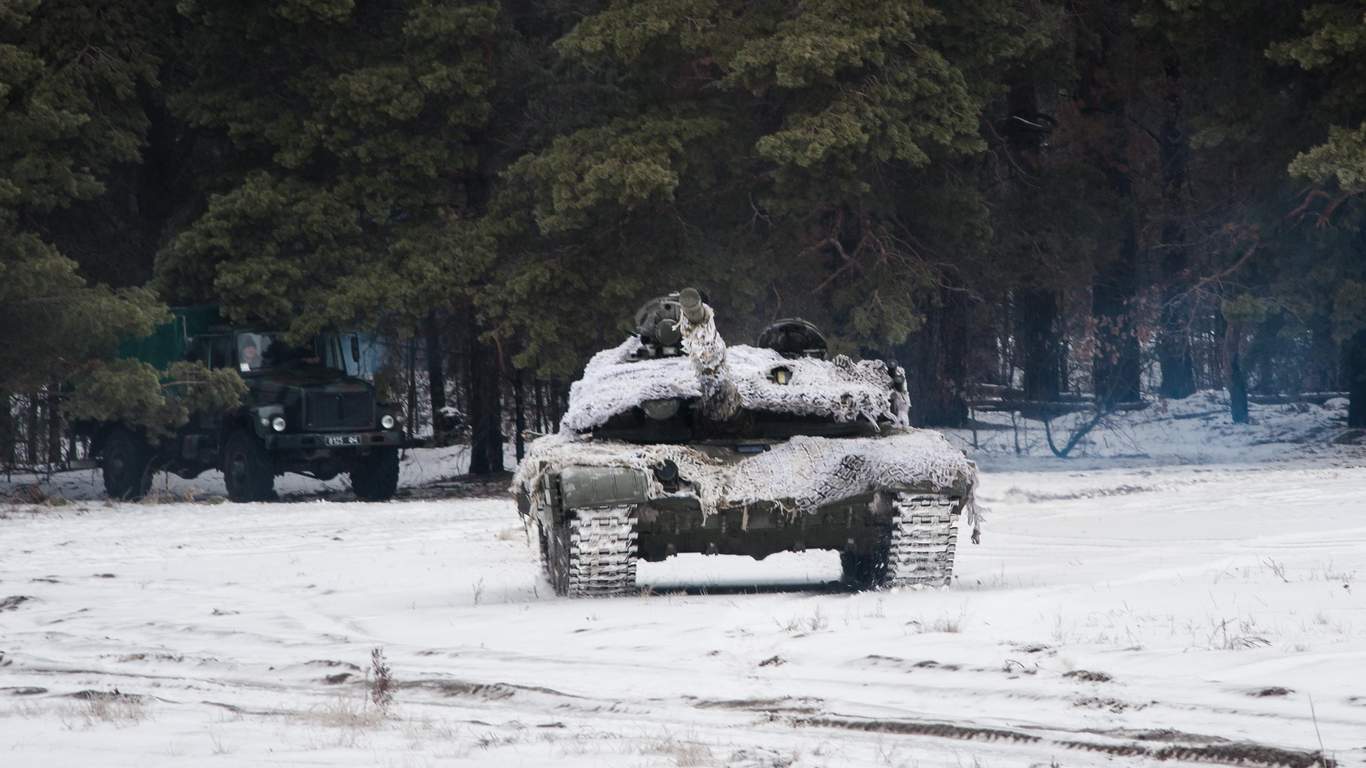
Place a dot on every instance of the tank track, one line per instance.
(924, 538)
(601, 552)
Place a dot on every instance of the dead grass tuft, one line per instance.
(93, 708)
(685, 753)
(381, 681)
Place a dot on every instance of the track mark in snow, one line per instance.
(13, 602)
(1087, 676)
(332, 663)
(1113, 705)
(800, 705)
(1253, 755)
(1226, 753)
(906, 665)
(918, 728)
(174, 658)
(486, 691)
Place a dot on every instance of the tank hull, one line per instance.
(890, 505)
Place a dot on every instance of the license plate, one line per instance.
(341, 440)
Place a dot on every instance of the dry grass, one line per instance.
(683, 752)
(93, 709)
(345, 712)
(804, 625)
(946, 623)
(1235, 635)
(381, 681)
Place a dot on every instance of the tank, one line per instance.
(674, 442)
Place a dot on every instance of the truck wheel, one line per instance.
(377, 478)
(247, 468)
(126, 463)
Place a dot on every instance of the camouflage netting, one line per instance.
(802, 474)
(612, 384)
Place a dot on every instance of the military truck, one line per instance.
(305, 411)
(674, 442)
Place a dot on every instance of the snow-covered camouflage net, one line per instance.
(802, 474)
(613, 383)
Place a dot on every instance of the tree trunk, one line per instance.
(540, 419)
(486, 411)
(1324, 372)
(936, 370)
(1234, 376)
(555, 411)
(1237, 389)
(436, 377)
(1173, 339)
(1261, 357)
(54, 427)
(1036, 304)
(412, 387)
(1355, 370)
(8, 435)
(1115, 367)
(31, 434)
(1036, 329)
(519, 404)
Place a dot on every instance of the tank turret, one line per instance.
(707, 351)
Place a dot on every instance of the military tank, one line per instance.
(673, 442)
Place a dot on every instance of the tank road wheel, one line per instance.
(924, 538)
(126, 464)
(376, 478)
(247, 468)
(594, 553)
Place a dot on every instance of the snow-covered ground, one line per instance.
(1174, 600)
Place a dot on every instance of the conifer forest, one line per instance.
(1045, 206)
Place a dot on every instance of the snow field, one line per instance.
(1123, 610)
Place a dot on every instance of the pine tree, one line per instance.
(796, 161)
(1332, 49)
(70, 75)
(348, 166)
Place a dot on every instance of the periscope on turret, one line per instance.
(674, 442)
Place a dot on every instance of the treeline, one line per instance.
(1115, 197)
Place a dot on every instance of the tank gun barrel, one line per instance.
(707, 351)
(693, 308)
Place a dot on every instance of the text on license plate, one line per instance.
(341, 440)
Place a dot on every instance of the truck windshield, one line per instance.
(260, 351)
(251, 349)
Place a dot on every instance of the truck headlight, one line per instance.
(278, 423)
(387, 421)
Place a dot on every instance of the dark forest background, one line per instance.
(1042, 200)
